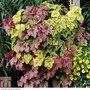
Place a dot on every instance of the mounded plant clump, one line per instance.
(47, 44)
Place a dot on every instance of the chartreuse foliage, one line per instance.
(17, 17)
(27, 58)
(64, 24)
(38, 61)
(46, 44)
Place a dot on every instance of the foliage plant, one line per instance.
(45, 42)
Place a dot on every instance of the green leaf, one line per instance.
(27, 58)
(18, 55)
(48, 63)
(38, 61)
(85, 43)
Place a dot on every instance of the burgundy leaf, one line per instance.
(8, 23)
(9, 55)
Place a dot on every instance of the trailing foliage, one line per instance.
(44, 44)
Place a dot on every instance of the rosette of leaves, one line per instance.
(43, 41)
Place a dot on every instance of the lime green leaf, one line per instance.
(38, 61)
(48, 63)
(39, 53)
(55, 14)
(17, 16)
(27, 58)
(18, 55)
(20, 27)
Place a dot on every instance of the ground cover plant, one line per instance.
(49, 46)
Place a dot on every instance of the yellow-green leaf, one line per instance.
(55, 13)
(27, 58)
(38, 61)
(48, 63)
(20, 27)
(39, 53)
(18, 55)
(17, 16)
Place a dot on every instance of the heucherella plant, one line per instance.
(44, 44)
